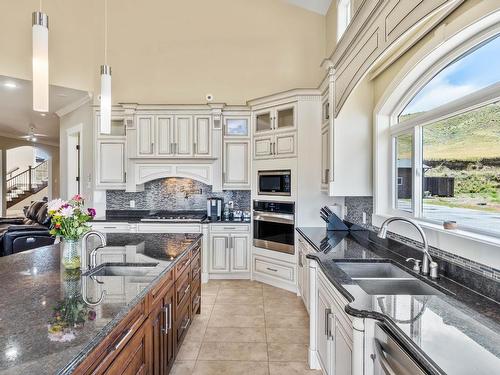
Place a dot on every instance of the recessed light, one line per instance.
(10, 85)
(43, 114)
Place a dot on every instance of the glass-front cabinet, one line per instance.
(118, 126)
(236, 127)
(279, 118)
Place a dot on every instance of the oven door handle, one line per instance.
(282, 219)
(379, 357)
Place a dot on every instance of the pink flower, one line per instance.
(55, 205)
(77, 198)
(91, 212)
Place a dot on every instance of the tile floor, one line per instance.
(246, 328)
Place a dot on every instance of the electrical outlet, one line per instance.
(364, 217)
(132, 204)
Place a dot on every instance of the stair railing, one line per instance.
(28, 180)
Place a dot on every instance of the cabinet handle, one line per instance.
(171, 147)
(123, 339)
(229, 228)
(167, 321)
(184, 326)
(197, 300)
(301, 264)
(170, 316)
(272, 269)
(328, 331)
(194, 148)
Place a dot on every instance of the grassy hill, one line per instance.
(472, 136)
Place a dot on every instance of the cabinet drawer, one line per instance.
(111, 227)
(102, 357)
(280, 271)
(182, 265)
(196, 263)
(159, 290)
(196, 299)
(182, 322)
(182, 290)
(133, 357)
(218, 228)
(196, 281)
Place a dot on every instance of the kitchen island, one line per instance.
(58, 321)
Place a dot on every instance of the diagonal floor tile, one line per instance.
(233, 351)
(287, 352)
(288, 335)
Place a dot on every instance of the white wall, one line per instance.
(21, 157)
(79, 117)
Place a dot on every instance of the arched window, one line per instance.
(446, 144)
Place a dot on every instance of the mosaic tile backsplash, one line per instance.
(175, 194)
(355, 207)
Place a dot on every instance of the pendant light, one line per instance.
(105, 81)
(40, 34)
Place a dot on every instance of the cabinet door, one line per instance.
(323, 342)
(325, 152)
(263, 147)
(202, 136)
(133, 358)
(239, 252)
(284, 145)
(343, 351)
(236, 164)
(285, 118)
(162, 337)
(145, 135)
(219, 257)
(263, 121)
(168, 335)
(184, 136)
(111, 162)
(165, 135)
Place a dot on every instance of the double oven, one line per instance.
(274, 225)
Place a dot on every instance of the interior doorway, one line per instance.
(74, 154)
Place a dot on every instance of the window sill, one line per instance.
(480, 248)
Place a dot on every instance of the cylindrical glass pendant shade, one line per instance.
(40, 62)
(105, 99)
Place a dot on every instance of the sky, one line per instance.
(470, 73)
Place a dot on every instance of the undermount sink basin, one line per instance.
(121, 269)
(385, 278)
(373, 271)
(396, 287)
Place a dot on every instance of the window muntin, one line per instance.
(469, 73)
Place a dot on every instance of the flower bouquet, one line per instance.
(69, 221)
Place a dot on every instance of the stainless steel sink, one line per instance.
(373, 271)
(397, 287)
(121, 269)
(385, 278)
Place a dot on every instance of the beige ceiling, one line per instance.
(317, 6)
(16, 113)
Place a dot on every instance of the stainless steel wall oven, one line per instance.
(274, 226)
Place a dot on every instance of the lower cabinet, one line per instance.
(334, 331)
(230, 249)
(147, 339)
(303, 271)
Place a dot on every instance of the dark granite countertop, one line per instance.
(453, 332)
(35, 290)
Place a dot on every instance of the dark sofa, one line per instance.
(25, 233)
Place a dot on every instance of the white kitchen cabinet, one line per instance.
(303, 273)
(219, 253)
(333, 330)
(184, 136)
(325, 151)
(145, 135)
(110, 164)
(272, 146)
(236, 164)
(202, 136)
(275, 119)
(240, 247)
(165, 135)
(230, 249)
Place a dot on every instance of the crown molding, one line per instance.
(74, 105)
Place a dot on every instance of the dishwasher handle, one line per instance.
(379, 357)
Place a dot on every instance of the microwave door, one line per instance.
(270, 184)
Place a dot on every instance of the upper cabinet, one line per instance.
(275, 119)
(174, 136)
(236, 153)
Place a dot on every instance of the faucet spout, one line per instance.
(428, 265)
(84, 255)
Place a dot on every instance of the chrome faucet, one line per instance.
(428, 265)
(84, 258)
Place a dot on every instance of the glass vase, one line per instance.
(70, 256)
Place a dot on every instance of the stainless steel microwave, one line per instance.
(275, 182)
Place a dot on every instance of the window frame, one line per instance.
(344, 17)
(470, 102)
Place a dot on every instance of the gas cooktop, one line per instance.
(173, 216)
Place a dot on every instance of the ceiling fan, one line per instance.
(32, 136)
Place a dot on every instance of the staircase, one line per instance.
(27, 183)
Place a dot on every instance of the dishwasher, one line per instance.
(389, 358)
